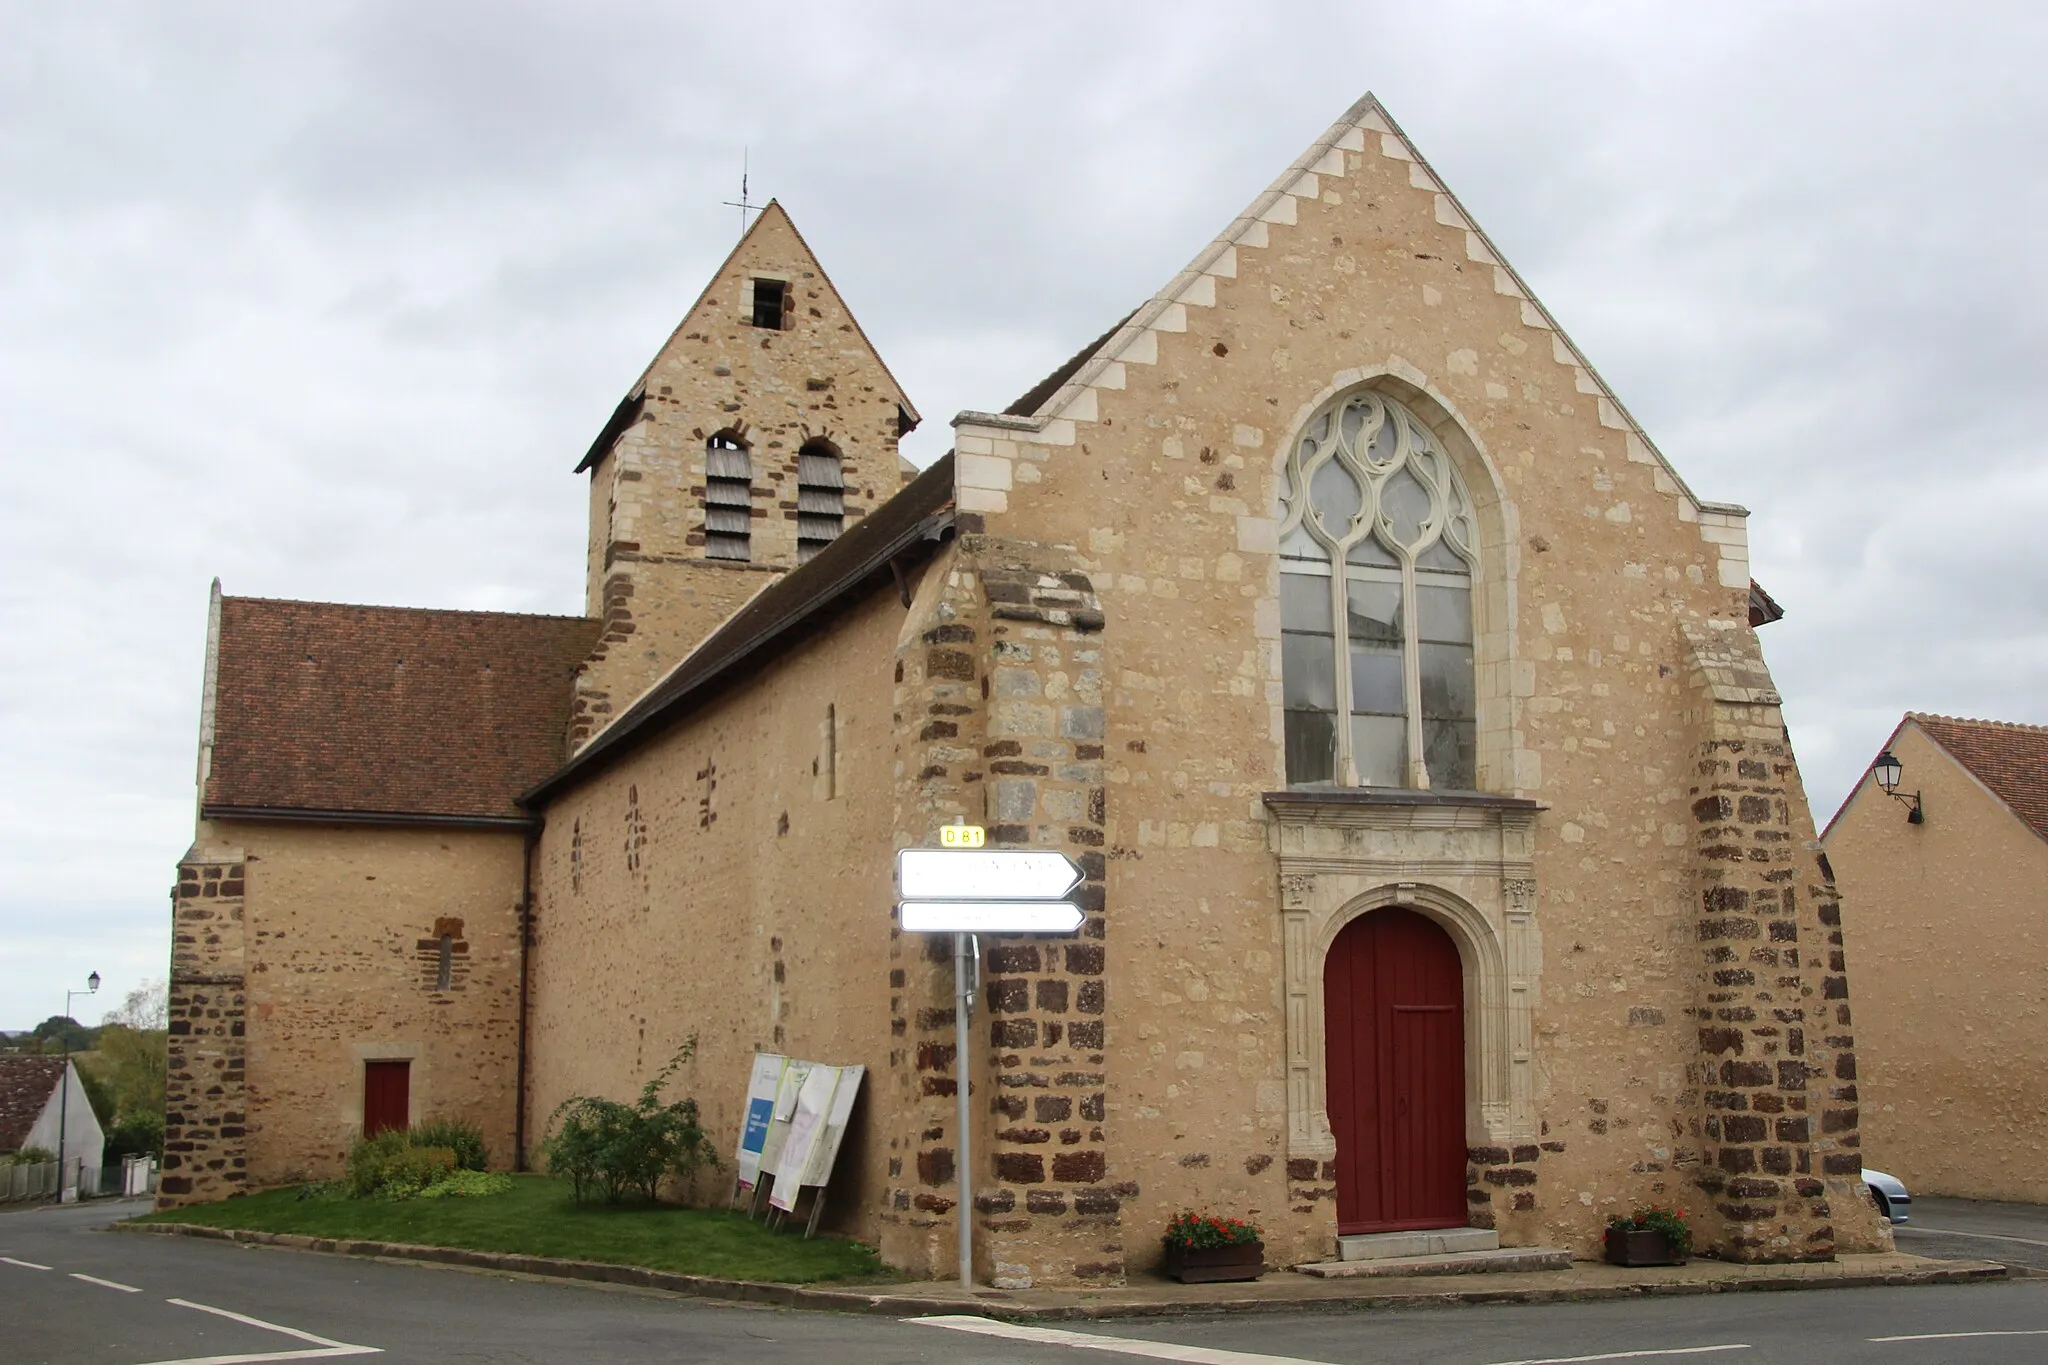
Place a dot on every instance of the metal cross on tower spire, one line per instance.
(741, 203)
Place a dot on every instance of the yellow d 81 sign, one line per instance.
(962, 836)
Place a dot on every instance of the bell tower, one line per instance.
(764, 428)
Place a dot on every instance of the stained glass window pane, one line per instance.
(1379, 746)
(1305, 603)
(1370, 551)
(1404, 505)
(1308, 670)
(1443, 611)
(1311, 738)
(1449, 750)
(1336, 497)
(1376, 683)
(1443, 557)
(1374, 610)
(1447, 690)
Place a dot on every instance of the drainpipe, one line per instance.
(525, 989)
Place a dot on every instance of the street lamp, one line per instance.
(1888, 770)
(92, 986)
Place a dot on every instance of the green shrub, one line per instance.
(605, 1146)
(466, 1184)
(27, 1156)
(459, 1136)
(389, 1166)
(136, 1135)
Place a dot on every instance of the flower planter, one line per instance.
(1640, 1246)
(1211, 1265)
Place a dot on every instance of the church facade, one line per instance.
(1446, 862)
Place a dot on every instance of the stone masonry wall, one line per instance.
(205, 1105)
(344, 928)
(648, 578)
(1775, 1077)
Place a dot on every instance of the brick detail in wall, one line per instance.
(205, 1093)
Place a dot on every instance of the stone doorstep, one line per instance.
(1494, 1260)
(1377, 1246)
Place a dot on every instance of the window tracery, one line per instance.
(1378, 547)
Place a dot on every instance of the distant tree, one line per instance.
(61, 1033)
(97, 1093)
(132, 1057)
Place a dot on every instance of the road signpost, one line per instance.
(965, 889)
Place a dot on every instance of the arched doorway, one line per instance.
(1394, 1049)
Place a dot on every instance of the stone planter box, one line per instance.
(1211, 1265)
(1640, 1246)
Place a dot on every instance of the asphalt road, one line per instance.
(71, 1294)
(1965, 1229)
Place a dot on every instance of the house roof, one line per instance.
(326, 709)
(2010, 759)
(920, 513)
(25, 1086)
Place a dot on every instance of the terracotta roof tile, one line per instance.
(388, 710)
(25, 1086)
(2012, 760)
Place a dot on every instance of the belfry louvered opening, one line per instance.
(820, 498)
(728, 497)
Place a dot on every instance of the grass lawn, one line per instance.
(537, 1218)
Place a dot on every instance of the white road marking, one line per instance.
(1085, 1341)
(1981, 1236)
(324, 1347)
(25, 1265)
(1633, 1355)
(109, 1284)
(1951, 1336)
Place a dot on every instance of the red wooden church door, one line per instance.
(387, 1096)
(1394, 1048)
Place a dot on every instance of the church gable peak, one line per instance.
(1068, 400)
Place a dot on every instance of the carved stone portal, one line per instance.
(1464, 861)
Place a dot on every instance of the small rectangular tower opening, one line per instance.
(771, 304)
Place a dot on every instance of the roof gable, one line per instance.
(2011, 760)
(773, 246)
(26, 1084)
(327, 708)
(1067, 397)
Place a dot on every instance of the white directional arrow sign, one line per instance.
(984, 874)
(990, 917)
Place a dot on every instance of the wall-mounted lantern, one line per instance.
(1888, 770)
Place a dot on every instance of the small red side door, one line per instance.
(387, 1096)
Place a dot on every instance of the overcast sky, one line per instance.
(327, 299)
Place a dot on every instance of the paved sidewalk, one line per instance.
(1152, 1296)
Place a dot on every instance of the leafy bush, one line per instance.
(388, 1166)
(136, 1135)
(27, 1156)
(605, 1146)
(459, 1136)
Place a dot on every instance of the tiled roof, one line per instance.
(323, 707)
(1034, 398)
(2012, 760)
(25, 1086)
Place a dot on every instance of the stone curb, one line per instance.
(883, 1302)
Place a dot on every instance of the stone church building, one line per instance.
(1446, 863)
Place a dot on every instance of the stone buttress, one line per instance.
(205, 1090)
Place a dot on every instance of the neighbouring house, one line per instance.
(1446, 862)
(43, 1105)
(1946, 920)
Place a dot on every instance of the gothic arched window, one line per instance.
(1378, 544)
(728, 497)
(820, 497)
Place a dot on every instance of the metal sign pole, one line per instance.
(963, 1005)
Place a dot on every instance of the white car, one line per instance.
(1888, 1194)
